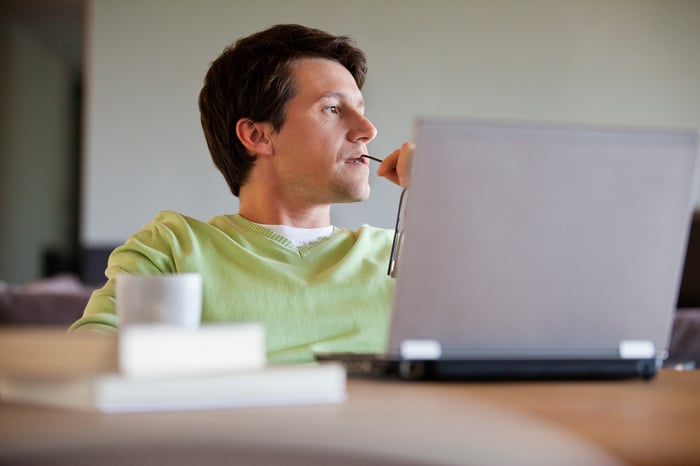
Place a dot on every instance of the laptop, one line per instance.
(537, 251)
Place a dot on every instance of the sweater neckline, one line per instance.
(270, 234)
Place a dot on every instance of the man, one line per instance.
(283, 116)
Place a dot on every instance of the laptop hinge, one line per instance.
(637, 349)
(421, 349)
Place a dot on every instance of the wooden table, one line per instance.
(388, 422)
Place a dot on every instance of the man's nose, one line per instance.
(363, 129)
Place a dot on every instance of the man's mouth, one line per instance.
(357, 160)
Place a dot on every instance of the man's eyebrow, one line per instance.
(342, 96)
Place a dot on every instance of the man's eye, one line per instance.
(333, 109)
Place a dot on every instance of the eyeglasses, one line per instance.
(398, 236)
(398, 228)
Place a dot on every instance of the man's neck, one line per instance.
(278, 213)
(263, 201)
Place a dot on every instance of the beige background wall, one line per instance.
(607, 61)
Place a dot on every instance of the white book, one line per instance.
(153, 350)
(50, 352)
(113, 393)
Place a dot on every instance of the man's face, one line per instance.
(325, 131)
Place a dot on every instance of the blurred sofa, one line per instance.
(58, 300)
(685, 337)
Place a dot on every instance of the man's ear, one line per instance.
(254, 135)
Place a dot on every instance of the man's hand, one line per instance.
(396, 167)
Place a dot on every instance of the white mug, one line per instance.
(174, 299)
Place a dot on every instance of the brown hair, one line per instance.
(252, 79)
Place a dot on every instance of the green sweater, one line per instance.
(332, 295)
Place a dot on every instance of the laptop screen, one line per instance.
(542, 239)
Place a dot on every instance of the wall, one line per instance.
(607, 61)
(35, 151)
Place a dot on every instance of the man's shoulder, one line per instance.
(375, 235)
(173, 217)
(172, 226)
(376, 231)
(177, 220)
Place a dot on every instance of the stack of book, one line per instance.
(155, 368)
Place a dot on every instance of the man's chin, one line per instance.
(355, 196)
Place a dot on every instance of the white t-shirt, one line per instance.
(300, 236)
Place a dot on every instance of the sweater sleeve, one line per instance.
(147, 252)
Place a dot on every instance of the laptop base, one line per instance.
(493, 369)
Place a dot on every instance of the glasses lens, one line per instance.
(398, 236)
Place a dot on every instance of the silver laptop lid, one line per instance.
(541, 240)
